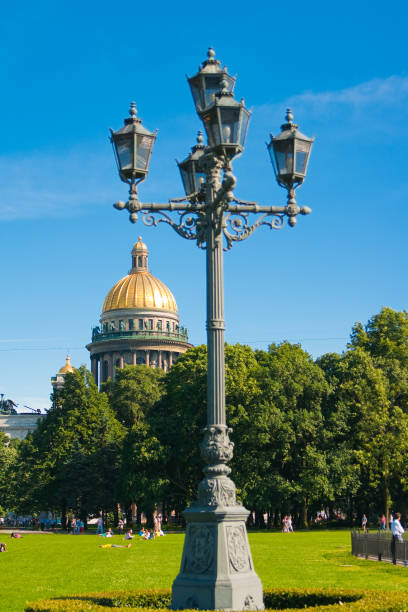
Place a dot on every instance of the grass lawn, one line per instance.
(43, 566)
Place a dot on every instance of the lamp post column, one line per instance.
(216, 571)
(215, 320)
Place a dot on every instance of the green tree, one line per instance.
(375, 430)
(385, 339)
(385, 336)
(133, 393)
(177, 422)
(8, 464)
(273, 405)
(72, 459)
(293, 390)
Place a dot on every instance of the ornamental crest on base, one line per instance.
(237, 549)
(200, 551)
(216, 492)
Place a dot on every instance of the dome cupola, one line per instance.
(139, 257)
(67, 367)
(140, 289)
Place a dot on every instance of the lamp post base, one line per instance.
(217, 571)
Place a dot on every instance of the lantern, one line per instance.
(133, 146)
(289, 152)
(207, 82)
(226, 123)
(192, 174)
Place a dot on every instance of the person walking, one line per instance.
(397, 530)
(99, 525)
(383, 523)
(364, 523)
(290, 524)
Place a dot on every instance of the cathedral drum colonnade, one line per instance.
(139, 323)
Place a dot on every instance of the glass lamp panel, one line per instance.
(211, 128)
(302, 155)
(229, 124)
(244, 126)
(196, 90)
(212, 86)
(284, 156)
(185, 175)
(143, 150)
(124, 151)
(273, 159)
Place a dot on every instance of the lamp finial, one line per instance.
(210, 53)
(133, 110)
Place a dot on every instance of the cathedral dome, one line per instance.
(140, 289)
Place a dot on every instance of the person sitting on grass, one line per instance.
(129, 535)
(142, 532)
(107, 534)
(115, 545)
(3, 547)
(15, 535)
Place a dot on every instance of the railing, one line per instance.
(141, 334)
(378, 546)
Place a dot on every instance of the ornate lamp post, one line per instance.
(216, 569)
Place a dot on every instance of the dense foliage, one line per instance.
(330, 433)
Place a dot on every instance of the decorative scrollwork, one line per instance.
(187, 225)
(237, 226)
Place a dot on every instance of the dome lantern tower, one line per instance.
(140, 256)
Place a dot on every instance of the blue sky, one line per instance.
(69, 71)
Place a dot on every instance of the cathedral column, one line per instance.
(121, 362)
(134, 358)
(147, 358)
(110, 365)
(170, 359)
(94, 364)
(159, 359)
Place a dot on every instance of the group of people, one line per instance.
(397, 530)
(382, 522)
(287, 524)
(76, 526)
(145, 534)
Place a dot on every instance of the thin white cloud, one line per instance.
(386, 92)
(369, 110)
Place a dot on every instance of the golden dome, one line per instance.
(140, 289)
(67, 367)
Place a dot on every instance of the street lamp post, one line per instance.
(216, 569)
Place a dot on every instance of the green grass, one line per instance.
(43, 566)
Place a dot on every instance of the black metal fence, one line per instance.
(377, 546)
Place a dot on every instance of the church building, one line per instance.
(139, 323)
